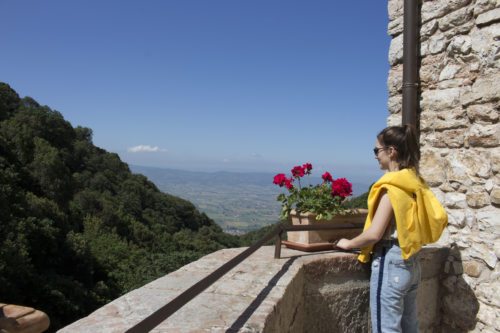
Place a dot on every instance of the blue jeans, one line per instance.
(393, 291)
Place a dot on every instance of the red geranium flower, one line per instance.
(298, 171)
(327, 177)
(307, 168)
(279, 179)
(341, 187)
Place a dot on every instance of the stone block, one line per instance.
(485, 45)
(496, 248)
(488, 315)
(440, 121)
(439, 8)
(395, 81)
(431, 66)
(486, 89)
(473, 268)
(468, 166)
(488, 17)
(488, 186)
(396, 50)
(454, 83)
(395, 27)
(455, 200)
(455, 18)
(440, 100)
(459, 45)
(462, 29)
(395, 9)
(477, 197)
(495, 195)
(454, 138)
(483, 113)
(482, 135)
(470, 218)
(394, 119)
(488, 219)
(456, 218)
(437, 43)
(395, 104)
(446, 187)
(488, 293)
(482, 6)
(432, 167)
(449, 72)
(467, 97)
(428, 29)
(483, 252)
(456, 170)
(495, 160)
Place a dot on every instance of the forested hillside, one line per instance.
(77, 228)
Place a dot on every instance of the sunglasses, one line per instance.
(377, 150)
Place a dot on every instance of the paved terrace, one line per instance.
(301, 292)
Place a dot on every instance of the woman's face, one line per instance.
(382, 155)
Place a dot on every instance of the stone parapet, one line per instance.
(301, 292)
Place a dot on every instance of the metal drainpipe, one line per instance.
(410, 63)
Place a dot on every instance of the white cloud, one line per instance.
(145, 149)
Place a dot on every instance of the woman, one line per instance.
(403, 215)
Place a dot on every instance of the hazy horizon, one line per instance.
(365, 180)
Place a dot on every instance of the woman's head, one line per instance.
(398, 145)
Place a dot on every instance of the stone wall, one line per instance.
(460, 142)
(301, 292)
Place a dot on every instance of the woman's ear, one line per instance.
(393, 153)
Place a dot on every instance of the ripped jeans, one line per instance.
(393, 291)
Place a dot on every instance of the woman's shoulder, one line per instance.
(406, 179)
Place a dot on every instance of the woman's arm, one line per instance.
(374, 233)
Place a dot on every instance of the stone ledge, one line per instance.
(314, 292)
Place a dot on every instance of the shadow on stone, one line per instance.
(243, 318)
(459, 303)
(336, 296)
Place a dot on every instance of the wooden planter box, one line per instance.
(320, 240)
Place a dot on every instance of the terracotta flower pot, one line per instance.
(319, 240)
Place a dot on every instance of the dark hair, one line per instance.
(404, 140)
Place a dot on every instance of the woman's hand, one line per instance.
(344, 244)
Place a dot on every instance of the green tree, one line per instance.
(78, 229)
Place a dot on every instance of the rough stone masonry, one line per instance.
(460, 142)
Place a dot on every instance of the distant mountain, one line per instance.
(238, 202)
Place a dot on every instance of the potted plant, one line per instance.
(320, 203)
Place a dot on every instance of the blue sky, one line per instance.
(209, 85)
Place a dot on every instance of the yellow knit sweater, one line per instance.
(420, 218)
